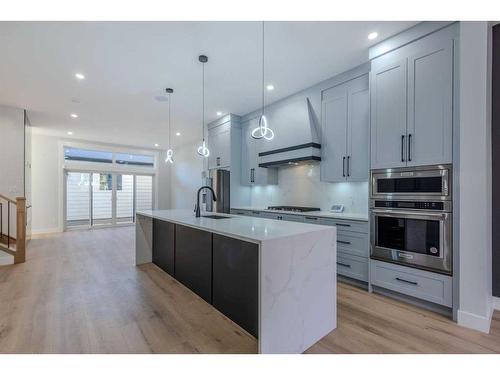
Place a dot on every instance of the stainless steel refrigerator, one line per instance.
(219, 180)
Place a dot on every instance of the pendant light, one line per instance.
(263, 131)
(203, 149)
(170, 152)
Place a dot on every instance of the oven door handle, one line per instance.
(384, 212)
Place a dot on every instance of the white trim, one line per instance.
(38, 231)
(6, 259)
(496, 303)
(473, 321)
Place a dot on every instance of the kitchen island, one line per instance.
(275, 279)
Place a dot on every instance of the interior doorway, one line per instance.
(97, 199)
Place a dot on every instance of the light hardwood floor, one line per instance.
(80, 292)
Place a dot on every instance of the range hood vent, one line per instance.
(297, 134)
(293, 155)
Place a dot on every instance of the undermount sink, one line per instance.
(216, 217)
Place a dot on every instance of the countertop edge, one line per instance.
(232, 235)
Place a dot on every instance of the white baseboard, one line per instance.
(6, 259)
(496, 303)
(46, 231)
(473, 321)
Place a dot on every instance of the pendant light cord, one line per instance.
(169, 121)
(263, 66)
(203, 101)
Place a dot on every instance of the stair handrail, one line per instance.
(20, 251)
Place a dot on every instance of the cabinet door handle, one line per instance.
(256, 212)
(348, 167)
(343, 242)
(252, 175)
(344, 264)
(409, 147)
(343, 166)
(218, 160)
(406, 281)
(402, 148)
(343, 225)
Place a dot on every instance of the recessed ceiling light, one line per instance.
(178, 134)
(79, 76)
(156, 144)
(270, 87)
(70, 133)
(74, 115)
(219, 113)
(372, 35)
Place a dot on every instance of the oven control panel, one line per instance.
(438, 206)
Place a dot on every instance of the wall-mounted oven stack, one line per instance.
(411, 217)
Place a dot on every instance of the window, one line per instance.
(131, 159)
(79, 154)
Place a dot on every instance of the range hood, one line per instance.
(296, 138)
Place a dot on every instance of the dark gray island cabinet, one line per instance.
(274, 279)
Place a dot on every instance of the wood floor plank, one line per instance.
(80, 292)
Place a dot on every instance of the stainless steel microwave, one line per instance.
(414, 183)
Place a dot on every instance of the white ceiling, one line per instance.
(127, 64)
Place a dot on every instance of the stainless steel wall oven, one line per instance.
(411, 217)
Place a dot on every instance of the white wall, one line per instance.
(185, 176)
(475, 178)
(301, 186)
(47, 178)
(45, 184)
(11, 160)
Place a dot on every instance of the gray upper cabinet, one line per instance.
(411, 104)
(388, 113)
(219, 143)
(251, 173)
(345, 130)
(358, 129)
(430, 86)
(334, 146)
(224, 143)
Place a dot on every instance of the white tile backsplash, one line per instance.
(301, 186)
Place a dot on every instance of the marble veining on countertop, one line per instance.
(255, 229)
(326, 214)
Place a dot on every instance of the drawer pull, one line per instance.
(344, 264)
(343, 225)
(256, 212)
(344, 242)
(406, 281)
(311, 218)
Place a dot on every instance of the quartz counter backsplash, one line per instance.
(301, 186)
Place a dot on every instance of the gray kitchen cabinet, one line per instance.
(251, 173)
(388, 113)
(345, 129)
(219, 143)
(411, 104)
(358, 130)
(425, 285)
(334, 122)
(430, 93)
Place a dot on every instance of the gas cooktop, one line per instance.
(293, 208)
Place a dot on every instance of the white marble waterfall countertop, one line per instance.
(254, 229)
(326, 214)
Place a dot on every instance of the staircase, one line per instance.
(12, 237)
